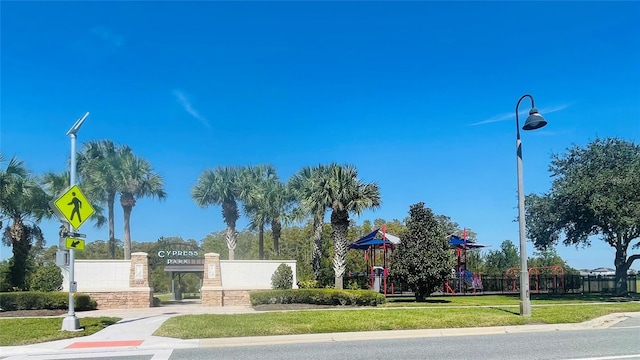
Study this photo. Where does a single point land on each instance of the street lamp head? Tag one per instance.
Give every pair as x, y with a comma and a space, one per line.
74, 129
534, 121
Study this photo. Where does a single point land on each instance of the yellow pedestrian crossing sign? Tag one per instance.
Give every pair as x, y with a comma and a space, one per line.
73, 206
73, 243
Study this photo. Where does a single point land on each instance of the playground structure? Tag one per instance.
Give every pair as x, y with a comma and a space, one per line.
371, 244
463, 279
377, 243
557, 279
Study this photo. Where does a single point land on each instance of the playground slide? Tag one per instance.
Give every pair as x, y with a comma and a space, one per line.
472, 280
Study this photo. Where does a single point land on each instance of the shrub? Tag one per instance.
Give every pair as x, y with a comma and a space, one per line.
46, 278
318, 297
353, 285
282, 278
4, 277
35, 300
308, 284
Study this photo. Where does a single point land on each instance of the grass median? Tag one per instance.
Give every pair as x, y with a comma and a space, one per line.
23, 331
371, 319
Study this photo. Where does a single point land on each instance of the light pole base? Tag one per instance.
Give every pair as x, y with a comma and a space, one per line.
525, 307
71, 323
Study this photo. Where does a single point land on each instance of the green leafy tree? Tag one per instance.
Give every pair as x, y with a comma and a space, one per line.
46, 278
422, 260
394, 227
282, 278
295, 244
500, 260
595, 192
136, 179
48, 254
23, 203
245, 248
548, 258
101, 249
346, 194
5, 285
475, 261
220, 187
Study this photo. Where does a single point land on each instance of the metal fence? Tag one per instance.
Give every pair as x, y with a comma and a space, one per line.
538, 284
558, 284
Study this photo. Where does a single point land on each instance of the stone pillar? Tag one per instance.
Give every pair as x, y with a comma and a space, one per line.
139, 273
140, 293
211, 292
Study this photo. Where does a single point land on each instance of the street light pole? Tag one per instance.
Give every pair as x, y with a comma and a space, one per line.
71, 322
534, 121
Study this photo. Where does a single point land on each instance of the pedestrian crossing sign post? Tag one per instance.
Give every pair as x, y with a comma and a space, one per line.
73, 243
73, 207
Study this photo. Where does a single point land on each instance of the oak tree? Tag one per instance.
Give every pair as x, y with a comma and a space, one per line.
595, 192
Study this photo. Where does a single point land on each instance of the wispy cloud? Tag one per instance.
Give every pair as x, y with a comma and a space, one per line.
107, 35
523, 113
186, 105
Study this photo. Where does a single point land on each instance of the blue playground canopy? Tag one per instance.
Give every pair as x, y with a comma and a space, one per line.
370, 240
456, 241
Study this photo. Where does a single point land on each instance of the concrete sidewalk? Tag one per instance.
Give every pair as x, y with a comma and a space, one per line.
135, 332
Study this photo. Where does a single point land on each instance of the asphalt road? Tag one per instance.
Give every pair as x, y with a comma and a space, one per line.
614, 343
621, 341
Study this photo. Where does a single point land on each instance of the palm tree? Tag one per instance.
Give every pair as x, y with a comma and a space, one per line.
136, 179
265, 201
23, 201
309, 187
220, 187
253, 187
99, 165
346, 194
280, 201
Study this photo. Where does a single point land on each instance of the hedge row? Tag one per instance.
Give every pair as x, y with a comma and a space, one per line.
318, 297
36, 300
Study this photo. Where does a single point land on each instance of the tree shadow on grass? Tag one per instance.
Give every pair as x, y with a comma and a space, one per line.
505, 310
426, 301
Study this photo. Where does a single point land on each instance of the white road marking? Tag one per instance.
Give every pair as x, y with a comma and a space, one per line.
162, 355
635, 356
625, 327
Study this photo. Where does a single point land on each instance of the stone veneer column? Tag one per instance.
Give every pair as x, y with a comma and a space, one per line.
140, 293
139, 273
211, 292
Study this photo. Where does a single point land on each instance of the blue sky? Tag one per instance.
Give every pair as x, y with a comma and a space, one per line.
419, 96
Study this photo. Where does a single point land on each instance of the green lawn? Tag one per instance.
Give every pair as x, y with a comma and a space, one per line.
386, 318
22, 331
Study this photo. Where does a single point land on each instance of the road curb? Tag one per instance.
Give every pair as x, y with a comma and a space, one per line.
599, 323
